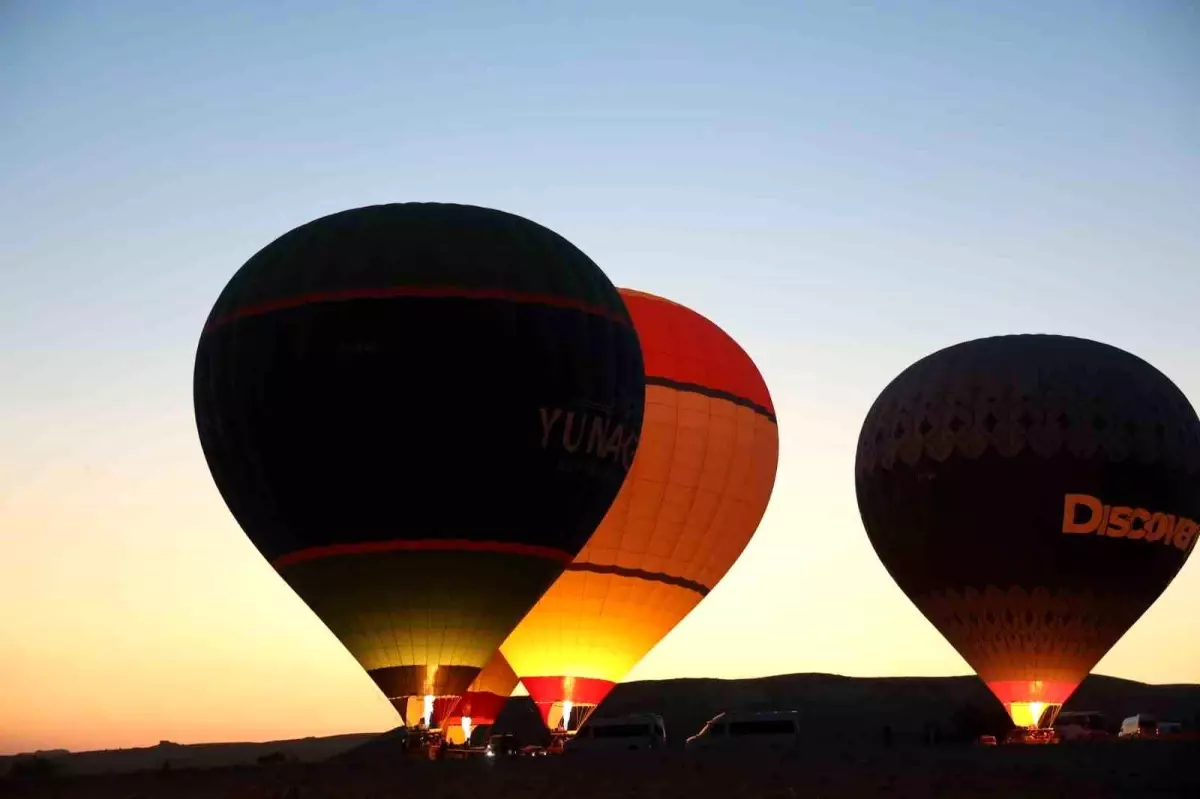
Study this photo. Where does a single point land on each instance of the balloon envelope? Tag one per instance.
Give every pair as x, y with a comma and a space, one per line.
1033, 496
380, 395
482, 702
698, 488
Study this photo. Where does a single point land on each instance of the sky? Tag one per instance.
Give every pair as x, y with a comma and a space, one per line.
844, 188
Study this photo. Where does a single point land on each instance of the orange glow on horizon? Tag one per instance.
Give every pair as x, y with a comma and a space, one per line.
133, 605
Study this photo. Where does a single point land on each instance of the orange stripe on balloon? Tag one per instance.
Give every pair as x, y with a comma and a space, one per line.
422, 545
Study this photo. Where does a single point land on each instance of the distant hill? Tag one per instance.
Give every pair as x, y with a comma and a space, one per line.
837, 711
178, 756
856, 709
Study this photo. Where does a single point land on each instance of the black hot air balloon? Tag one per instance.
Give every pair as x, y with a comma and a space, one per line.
419, 413
1033, 495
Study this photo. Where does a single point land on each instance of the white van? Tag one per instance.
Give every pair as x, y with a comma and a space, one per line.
637, 732
1139, 726
774, 729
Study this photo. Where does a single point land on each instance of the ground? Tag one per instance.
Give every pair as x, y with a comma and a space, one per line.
1113, 769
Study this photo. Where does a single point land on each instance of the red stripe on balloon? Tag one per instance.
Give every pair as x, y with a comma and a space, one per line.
577, 690
481, 707
1050, 692
423, 545
426, 292
684, 349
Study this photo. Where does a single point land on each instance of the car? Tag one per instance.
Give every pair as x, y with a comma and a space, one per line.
503, 745
987, 740
1169, 728
1081, 725
773, 729
637, 732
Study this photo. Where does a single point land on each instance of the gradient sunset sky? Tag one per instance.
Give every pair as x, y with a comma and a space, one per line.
843, 187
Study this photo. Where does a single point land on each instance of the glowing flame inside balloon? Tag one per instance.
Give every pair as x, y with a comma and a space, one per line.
1032, 715
427, 714
568, 705
466, 727
1027, 714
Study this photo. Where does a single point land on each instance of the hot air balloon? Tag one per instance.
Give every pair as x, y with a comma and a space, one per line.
482, 702
418, 413
1033, 495
696, 492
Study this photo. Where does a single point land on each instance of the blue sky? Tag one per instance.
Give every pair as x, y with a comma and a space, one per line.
843, 187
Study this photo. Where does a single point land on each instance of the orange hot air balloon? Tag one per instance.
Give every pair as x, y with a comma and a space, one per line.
482, 702
695, 494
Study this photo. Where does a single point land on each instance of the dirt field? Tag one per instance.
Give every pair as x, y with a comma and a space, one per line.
1118, 769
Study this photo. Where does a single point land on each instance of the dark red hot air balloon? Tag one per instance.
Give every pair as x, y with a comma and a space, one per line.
374, 394
1033, 495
